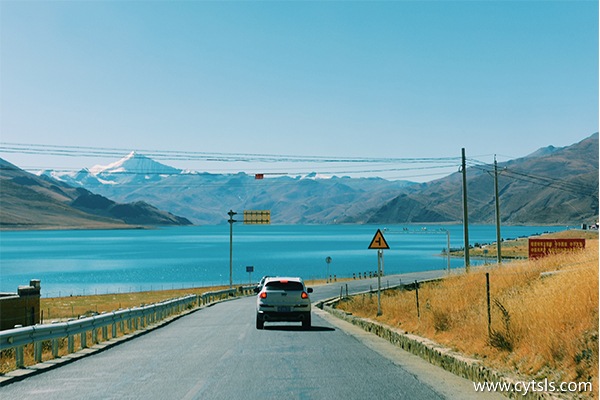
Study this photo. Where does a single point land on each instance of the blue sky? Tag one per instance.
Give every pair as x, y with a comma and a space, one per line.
394, 79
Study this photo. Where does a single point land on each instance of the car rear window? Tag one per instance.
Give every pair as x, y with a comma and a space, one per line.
284, 285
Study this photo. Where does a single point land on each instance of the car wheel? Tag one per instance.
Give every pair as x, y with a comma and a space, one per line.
306, 322
260, 324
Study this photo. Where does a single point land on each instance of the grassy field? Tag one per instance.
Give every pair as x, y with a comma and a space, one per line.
60, 308
543, 326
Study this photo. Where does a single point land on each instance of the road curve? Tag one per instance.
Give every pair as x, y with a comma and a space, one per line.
216, 353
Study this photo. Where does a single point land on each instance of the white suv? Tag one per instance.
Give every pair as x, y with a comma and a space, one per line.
283, 299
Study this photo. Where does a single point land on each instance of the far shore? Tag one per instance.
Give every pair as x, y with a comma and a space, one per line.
518, 248
101, 227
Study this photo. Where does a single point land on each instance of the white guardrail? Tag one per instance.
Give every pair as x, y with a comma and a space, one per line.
135, 318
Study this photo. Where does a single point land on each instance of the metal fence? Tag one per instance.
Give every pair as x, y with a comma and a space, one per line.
133, 318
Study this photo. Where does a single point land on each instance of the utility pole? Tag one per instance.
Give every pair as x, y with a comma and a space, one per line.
465, 210
498, 237
231, 221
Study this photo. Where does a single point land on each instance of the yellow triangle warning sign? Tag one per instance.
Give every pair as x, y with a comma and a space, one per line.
378, 242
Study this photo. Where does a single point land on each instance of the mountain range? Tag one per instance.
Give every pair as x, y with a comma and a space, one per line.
206, 198
554, 185
39, 202
550, 186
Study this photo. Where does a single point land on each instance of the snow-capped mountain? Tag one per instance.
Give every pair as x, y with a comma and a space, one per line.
134, 164
205, 198
133, 168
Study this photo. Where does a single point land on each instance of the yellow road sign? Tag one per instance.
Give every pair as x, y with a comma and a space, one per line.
257, 217
378, 242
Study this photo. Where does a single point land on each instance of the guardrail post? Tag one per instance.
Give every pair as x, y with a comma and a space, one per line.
55, 348
83, 340
94, 335
37, 351
70, 344
19, 358
105, 333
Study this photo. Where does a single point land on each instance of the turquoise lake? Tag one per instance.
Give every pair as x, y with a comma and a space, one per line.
119, 261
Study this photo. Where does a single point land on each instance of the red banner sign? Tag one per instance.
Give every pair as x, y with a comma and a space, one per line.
542, 247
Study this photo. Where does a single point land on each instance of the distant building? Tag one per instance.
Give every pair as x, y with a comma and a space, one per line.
21, 308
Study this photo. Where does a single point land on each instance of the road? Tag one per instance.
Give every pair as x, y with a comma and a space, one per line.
216, 353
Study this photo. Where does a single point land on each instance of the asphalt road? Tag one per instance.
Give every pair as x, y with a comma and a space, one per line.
217, 353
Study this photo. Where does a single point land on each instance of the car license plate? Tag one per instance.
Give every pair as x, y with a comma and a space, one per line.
284, 309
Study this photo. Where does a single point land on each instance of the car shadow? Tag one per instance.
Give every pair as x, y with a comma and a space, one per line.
297, 328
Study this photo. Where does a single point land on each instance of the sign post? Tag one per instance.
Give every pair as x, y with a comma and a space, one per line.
255, 217
328, 261
378, 243
231, 221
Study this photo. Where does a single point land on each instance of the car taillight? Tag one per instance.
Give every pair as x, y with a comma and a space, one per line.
263, 295
304, 295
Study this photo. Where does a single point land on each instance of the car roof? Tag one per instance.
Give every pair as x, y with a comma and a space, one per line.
284, 278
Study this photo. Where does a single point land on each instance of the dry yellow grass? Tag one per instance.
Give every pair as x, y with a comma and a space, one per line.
59, 308
542, 327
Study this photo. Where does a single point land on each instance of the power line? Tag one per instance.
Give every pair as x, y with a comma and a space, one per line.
335, 165
80, 151
551, 182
